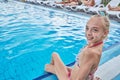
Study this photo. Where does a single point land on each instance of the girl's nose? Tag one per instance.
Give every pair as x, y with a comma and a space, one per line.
89, 33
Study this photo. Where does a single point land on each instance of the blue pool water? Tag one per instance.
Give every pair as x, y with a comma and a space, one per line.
29, 34
117, 77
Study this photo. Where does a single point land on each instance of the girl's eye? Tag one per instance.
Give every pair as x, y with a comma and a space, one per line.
95, 30
86, 28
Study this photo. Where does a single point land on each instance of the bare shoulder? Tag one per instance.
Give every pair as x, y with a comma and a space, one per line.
91, 54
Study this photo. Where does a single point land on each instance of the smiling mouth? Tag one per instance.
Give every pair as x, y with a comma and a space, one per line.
90, 38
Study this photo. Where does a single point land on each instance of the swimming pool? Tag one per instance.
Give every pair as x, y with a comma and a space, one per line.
29, 34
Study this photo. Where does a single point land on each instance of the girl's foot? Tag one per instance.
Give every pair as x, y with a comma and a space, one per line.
109, 7
49, 68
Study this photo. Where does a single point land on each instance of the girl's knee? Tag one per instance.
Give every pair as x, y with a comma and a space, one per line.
55, 54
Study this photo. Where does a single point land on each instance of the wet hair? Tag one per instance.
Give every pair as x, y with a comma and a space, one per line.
105, 21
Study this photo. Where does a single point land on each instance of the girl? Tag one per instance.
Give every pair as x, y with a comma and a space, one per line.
114, 8
97, 29
68, 2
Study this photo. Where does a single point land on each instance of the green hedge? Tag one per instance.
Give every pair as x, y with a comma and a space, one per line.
105, 2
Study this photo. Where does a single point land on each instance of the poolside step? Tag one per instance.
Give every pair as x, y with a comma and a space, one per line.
110, 69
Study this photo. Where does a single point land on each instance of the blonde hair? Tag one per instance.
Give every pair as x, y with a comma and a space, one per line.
105, 22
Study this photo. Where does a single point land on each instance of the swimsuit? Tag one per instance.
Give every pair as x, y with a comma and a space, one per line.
69, 74
90, 76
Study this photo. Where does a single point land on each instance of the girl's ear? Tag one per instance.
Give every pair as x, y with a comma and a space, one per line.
105, 34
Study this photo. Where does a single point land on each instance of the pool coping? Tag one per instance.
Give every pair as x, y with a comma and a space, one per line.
111, 72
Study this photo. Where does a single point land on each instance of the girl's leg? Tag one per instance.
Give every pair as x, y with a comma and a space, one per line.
50, 68
109, 7
58, 67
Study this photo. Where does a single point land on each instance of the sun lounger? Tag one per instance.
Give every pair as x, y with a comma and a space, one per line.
104, 8
116, 13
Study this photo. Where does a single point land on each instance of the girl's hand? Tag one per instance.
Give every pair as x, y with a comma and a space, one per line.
69, 69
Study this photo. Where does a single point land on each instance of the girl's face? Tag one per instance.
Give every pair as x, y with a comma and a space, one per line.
95, 31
